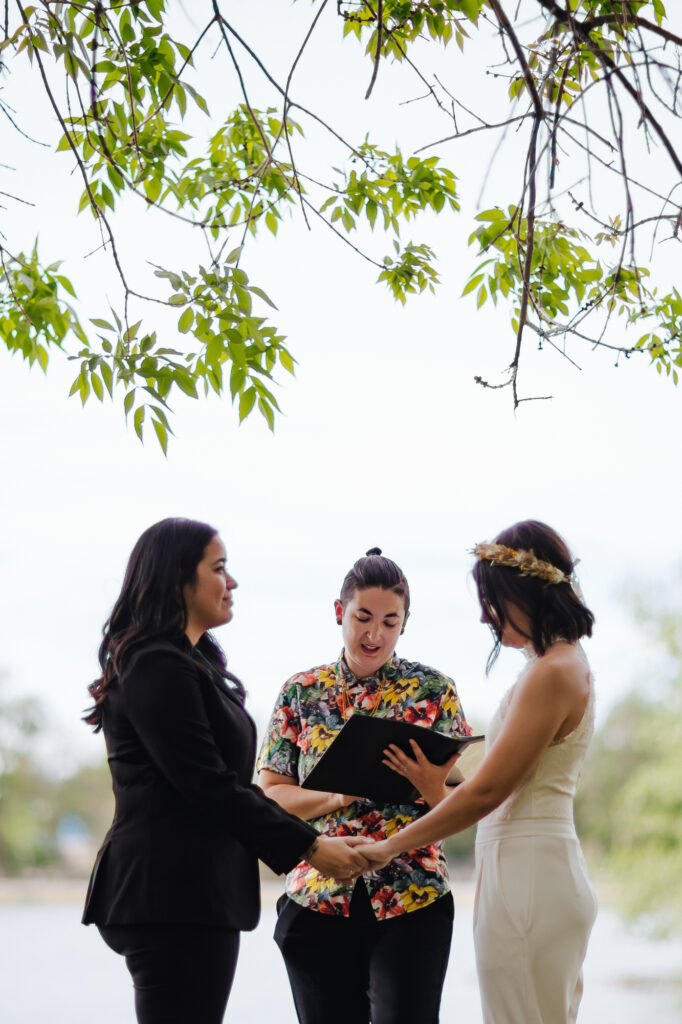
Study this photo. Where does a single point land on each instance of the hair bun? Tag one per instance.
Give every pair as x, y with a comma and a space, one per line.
373, 551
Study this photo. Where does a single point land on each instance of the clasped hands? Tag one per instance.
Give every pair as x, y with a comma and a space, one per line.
345, 858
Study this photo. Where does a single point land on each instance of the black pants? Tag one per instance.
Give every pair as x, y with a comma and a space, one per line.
182, 973
352, 970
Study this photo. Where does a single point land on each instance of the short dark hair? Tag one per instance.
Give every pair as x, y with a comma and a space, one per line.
554, 610
151, 605
375, 570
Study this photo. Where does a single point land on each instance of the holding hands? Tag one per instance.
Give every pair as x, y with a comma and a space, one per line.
340, 857
345, 858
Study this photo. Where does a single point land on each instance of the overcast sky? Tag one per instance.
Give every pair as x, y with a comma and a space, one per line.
385, 440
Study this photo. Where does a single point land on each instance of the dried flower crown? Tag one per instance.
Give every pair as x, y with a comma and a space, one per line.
524, 562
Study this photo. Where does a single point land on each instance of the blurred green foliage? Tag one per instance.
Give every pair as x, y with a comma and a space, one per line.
33, 802
629, 807
25, 806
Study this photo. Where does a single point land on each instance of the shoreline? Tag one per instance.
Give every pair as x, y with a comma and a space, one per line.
72, 891
55, 890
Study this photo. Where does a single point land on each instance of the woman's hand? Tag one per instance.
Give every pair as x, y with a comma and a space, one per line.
339, 857
427, 777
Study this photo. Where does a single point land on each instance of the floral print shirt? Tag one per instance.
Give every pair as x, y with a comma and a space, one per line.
307, 716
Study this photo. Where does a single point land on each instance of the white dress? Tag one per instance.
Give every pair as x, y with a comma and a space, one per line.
534, 907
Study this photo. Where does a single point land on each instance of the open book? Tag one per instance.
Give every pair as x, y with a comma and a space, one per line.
352, 762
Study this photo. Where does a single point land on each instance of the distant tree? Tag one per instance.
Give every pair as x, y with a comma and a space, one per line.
33, 802
617, 750
26, 817
646, 854
630, 805
592, 86
87, 795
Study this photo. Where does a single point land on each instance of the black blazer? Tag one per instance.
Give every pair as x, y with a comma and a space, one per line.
189, 825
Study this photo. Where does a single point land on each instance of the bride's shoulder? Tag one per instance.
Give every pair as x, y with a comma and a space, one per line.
563, 667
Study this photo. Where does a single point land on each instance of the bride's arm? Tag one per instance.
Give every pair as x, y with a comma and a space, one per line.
541, 703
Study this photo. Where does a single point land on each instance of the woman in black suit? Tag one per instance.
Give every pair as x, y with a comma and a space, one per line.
176, 879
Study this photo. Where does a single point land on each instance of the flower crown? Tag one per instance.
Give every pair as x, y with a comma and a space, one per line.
524, 562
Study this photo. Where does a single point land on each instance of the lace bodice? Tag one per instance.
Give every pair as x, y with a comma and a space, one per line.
549, 790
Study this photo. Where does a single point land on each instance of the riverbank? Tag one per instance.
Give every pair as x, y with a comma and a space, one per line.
59, 890
55, 891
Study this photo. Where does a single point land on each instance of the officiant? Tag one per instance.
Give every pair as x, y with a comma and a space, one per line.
375, 948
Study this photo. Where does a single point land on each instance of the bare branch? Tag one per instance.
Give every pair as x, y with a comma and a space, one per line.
377, 56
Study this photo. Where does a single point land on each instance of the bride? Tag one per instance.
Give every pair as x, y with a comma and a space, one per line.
534, 906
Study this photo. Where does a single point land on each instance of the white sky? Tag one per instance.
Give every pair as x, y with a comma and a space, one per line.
385, 439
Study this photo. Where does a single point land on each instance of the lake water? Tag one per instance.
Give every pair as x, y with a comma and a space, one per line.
54, 970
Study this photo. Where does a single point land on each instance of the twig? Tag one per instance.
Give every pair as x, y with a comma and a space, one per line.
377, 55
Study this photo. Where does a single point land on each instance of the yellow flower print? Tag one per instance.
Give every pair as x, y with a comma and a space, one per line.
326, 678
393, 825
450, 704
398, 690
321, 737
418, 896
315, 882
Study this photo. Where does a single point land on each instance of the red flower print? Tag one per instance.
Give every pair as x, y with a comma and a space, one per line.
373, 824
386, 902
426, 859
306, 679
424, 712
297, 878
284, 721
327, 906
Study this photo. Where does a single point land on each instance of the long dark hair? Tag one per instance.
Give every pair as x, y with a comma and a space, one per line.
554, 610
375, 570
151, 605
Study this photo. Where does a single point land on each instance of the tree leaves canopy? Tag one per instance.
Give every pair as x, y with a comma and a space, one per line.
595, 83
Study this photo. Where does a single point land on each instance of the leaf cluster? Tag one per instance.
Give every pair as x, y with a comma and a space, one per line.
34, 314
217, 313
126, 129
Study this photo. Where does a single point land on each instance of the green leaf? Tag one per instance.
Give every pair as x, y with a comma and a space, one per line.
128, 402
261, 295
162, 435
138, 421
66, 284
107, 377
472, 283
152, 188
246, 403
286, 360
266, 411
186, 320
186, 384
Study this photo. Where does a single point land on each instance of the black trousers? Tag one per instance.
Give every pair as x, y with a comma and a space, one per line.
182, 974
352, 970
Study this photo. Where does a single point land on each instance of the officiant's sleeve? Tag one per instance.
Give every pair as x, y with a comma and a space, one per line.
451, 720
280, 748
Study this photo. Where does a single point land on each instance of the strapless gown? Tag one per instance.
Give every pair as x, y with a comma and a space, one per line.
534, 906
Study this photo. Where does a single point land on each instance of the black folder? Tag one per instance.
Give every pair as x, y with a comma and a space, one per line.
352, 762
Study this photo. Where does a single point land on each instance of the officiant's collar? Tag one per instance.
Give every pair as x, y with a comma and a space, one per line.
345, 675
